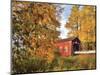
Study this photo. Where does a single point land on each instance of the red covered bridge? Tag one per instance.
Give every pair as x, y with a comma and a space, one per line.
67, 46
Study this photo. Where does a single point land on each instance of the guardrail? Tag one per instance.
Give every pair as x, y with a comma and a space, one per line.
85, 52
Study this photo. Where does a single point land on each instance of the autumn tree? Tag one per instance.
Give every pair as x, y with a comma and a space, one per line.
73, 21
88, 26
81, 23
88, 23
33, 31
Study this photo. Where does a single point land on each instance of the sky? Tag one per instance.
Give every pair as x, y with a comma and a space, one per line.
64, 18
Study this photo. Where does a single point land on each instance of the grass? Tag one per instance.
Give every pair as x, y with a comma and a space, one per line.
76, 62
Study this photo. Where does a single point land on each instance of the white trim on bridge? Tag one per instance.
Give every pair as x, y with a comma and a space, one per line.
85, 52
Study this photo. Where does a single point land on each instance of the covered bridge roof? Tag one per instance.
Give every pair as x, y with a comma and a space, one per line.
68, 39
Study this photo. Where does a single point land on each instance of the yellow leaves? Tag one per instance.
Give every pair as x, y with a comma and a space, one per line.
84, 20
43, 54
43, 51
83, 36
38, 23
88, 22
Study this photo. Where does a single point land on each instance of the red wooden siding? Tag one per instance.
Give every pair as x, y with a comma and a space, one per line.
65, 48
